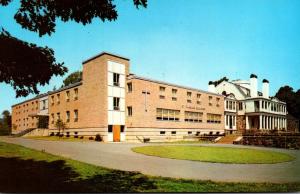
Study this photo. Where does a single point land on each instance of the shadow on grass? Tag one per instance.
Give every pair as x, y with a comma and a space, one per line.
19, 175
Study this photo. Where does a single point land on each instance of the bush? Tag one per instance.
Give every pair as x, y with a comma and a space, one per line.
81, 137
52, 134
91, 138
75, 134
98, 137
61, 135
68, 134
57, 134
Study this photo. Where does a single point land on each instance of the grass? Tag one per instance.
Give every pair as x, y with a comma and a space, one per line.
183, 142
215, 154
56, 138
27, 170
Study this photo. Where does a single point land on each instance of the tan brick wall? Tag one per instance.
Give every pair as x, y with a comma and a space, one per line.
21, 118
141, 118
64, 106
92, 96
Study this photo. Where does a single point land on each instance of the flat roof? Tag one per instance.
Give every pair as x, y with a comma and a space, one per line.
104, 53
133, 76
34, 98
49, 93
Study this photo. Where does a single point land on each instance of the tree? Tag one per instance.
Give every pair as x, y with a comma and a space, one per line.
291, 98
60, 125
5, 122
21, 62
73, 78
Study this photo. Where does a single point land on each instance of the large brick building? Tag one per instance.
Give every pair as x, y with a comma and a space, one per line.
123, 107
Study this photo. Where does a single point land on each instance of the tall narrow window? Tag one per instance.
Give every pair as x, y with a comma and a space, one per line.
129, 111
52, 100
52, 118
116, 78
218, 100
116, 103
210, 100
75, 115
44, 104
189, 94
67, 96
58, 115
129, 87
198, 96
58, 99
68, 116
75, 93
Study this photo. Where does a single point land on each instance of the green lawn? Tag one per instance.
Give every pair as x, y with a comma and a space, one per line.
27, 170
215, 154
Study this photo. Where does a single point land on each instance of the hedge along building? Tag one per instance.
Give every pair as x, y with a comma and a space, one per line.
121, 106
247, 108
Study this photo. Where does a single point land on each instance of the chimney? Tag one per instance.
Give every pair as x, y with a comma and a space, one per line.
253, 85
211, 87
265, 88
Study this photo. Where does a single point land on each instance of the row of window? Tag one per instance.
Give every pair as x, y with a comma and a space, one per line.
68, 116
34, 106
189, 133
174, 115
230, 120
274, 107
67, 96
230, 105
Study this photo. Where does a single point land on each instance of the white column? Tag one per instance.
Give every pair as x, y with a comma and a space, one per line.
273, 122
285, 124
247, 122
260, 121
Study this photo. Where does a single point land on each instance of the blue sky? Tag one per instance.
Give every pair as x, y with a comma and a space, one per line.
187, 42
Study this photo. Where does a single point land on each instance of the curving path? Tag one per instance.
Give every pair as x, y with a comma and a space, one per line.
120, 156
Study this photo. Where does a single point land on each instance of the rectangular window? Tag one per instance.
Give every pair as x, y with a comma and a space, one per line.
109, 129
67, 96
189, 94
76, 94
68, 116
116, 78
44, 104
52, 118
162, 89
213, 118
58, 116
75, 115
122, 128
210, 100
58, 99
218, 101
230, 105
116, 103
129, 87
189, 132
162, 97
240, 106
174, 91
129, 111
174, 99
198, 102
52, 100
162, 132
189, 101
173, 132
198, 96
167, 114
193, 116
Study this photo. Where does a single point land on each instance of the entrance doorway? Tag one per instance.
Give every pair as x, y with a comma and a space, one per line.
116, 133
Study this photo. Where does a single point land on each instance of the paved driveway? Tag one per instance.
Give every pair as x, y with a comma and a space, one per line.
120, 156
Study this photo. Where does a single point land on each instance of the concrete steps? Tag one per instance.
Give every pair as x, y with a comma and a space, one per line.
228, 139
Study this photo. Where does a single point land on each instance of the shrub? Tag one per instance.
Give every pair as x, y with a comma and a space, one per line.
81, 137
68, 134
57, 134
98, 137
91, 138
76, 134
52, 134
